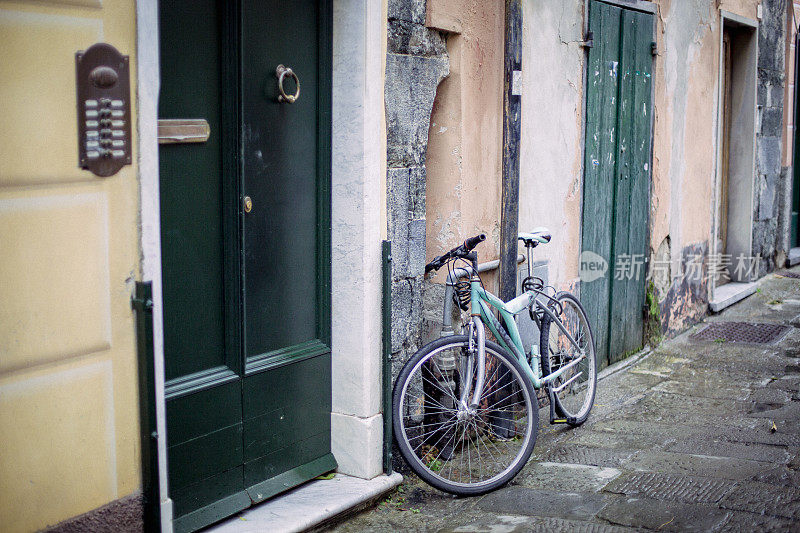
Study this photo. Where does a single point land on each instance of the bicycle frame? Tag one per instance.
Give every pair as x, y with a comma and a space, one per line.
482, 301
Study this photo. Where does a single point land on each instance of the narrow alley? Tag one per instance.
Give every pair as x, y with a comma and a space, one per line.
700, 434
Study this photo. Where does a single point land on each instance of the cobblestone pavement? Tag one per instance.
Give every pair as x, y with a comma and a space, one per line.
695, 436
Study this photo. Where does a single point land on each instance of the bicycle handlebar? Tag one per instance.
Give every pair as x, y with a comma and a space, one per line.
459, 251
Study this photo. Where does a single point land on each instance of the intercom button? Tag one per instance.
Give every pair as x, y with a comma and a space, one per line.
91, 124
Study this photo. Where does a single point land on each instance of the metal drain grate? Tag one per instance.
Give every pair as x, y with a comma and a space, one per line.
740, 332
787, 274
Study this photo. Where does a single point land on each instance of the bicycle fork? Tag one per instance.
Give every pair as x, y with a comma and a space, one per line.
471, 399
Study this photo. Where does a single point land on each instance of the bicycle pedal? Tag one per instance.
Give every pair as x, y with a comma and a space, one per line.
569, 420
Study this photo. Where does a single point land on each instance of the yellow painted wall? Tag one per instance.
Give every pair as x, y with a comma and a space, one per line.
68, 258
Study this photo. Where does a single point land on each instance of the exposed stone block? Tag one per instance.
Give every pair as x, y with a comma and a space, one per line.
414, 39
766, 196
772, 121
410, 10
411, 83
768, 156
416, 248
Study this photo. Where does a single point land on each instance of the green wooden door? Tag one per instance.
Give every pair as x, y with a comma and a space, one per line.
617, 174
246, 295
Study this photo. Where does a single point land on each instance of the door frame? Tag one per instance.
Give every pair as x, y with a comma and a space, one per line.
358, 215
734, 20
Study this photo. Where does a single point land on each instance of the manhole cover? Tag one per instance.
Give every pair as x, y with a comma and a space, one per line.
740, 332
787, 274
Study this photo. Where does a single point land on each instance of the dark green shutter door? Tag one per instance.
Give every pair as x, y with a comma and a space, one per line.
287, 387
617, 174
246, 296
202, 359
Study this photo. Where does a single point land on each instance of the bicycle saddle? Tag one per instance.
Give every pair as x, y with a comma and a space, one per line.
540, 235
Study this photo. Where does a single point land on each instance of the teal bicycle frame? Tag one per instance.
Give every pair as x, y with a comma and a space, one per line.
481, 303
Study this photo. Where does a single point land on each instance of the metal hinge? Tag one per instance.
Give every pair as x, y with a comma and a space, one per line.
654, 48
142, 304
588, 42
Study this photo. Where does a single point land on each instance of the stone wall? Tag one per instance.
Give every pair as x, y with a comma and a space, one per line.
416, 62
770, 176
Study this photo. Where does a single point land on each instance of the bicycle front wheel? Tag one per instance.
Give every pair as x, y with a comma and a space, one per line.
574, 390
455, 448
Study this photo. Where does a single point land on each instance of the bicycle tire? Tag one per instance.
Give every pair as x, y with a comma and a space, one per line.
419, 438
575, 401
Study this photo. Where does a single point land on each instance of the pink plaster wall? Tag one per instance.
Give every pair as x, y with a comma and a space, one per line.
465, 136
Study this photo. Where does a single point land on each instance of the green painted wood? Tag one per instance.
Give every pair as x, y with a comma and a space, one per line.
209, 500
247, 296
285, 405
205, 456
202, 357
291, 478
142, 303
287, 388
617, 176
203, 411
280, 175
290, 457
600, 164
191, 191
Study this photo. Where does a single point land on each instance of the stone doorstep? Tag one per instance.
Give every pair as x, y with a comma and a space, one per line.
730, 293
794, 257
309, 505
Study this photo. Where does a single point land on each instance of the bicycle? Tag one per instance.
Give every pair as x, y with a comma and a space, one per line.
465, 411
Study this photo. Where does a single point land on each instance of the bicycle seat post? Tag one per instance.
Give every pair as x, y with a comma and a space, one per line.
529, 258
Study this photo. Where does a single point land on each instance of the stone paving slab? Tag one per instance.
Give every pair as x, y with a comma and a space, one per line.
739, 522
697, 465
764, 499
585, 455
663, 516
753, 452
570, 505
527, 524
566, 477
672, 487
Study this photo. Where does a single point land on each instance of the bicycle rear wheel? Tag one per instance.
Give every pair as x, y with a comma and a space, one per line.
574, 390
451, 447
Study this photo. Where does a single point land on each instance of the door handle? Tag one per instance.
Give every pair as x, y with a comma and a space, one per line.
282, 72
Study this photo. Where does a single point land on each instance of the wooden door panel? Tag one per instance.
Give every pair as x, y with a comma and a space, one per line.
246, 294
632, 184
617, 170
600, 155
280, 175
287, 390
286, 405
202, 359
191, 193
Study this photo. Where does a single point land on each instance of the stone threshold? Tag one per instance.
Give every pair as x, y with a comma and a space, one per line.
794, 257
309, 505
730, 293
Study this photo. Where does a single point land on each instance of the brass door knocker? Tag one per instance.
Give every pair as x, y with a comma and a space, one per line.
282, 72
